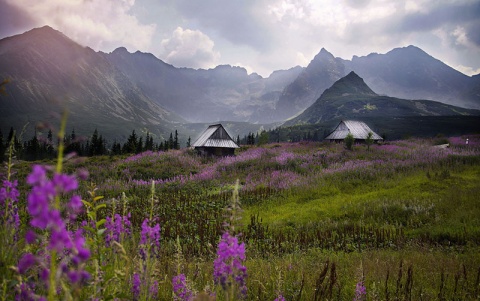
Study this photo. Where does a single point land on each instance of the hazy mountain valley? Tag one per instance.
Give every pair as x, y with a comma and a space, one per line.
120, 91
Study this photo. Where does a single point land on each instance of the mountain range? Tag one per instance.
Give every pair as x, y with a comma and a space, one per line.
120, 91
351, 98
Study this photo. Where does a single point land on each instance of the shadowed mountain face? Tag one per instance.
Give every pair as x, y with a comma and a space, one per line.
320, 74
50, 73
351, 98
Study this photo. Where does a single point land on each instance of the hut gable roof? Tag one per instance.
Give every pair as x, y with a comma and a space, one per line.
215, 136
358, 129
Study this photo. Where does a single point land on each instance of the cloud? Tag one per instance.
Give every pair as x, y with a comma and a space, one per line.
467, 70
13, 20
189, 48
239, 22
437, 16
99, 24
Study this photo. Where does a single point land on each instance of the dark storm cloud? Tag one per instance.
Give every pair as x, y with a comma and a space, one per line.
438, 16
13, 20
235, 21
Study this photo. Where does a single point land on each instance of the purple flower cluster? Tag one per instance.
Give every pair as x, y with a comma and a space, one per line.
360, 292
136, 286
115, 227
45, 215
150, 240
8, 204
279, 298
138, 282
229, 263
181, 291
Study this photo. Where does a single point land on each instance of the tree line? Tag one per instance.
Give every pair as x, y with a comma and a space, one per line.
39, 147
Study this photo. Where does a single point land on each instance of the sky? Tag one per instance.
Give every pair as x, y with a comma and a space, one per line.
259, 35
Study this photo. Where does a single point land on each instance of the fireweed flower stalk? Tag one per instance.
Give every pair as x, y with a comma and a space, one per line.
8, 204
181, 291
228, 269
68, 247
228, 266
116, 227
43, 205
360, 292
9, 219
143, 286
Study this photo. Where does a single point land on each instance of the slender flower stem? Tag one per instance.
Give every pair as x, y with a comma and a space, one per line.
53, 254
152, 201
61, 145
9, 174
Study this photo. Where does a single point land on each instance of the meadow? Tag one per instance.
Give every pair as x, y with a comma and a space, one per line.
284, 221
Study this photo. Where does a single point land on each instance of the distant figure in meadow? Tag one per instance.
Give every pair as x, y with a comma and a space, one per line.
466, 142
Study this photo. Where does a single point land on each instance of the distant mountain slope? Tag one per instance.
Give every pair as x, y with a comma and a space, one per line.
411, 73
221, 93
50, 73
406, 72
320, 74
351, 98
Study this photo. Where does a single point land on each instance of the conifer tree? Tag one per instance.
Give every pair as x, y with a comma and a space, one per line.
50, 149
170, 141
176, 145
130, 147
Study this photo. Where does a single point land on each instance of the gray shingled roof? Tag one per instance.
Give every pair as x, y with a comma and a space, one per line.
215, 136
358, 129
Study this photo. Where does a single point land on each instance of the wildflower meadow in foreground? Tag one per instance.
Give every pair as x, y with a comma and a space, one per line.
116, 253
61, 253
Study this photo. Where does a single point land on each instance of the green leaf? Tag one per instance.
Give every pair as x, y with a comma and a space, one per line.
87, 204
100, 206
100, 231
98, 198
92, 215
89, 229
101, 222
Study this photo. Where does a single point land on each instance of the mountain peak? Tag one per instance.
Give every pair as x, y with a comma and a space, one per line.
351, 84
323, 54
120, 50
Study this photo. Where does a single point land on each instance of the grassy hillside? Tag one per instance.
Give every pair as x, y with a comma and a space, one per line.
390, 128
400, 219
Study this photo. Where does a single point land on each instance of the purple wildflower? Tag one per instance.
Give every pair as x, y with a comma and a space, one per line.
116, 227
360, 292
153, 291
8, 203
279, 298
26, 262
136, 285
150, 240
70, 246
26, 292
181, 292
228, 264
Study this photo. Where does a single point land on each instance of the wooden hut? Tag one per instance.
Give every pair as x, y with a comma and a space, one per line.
215, 141
358, 129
